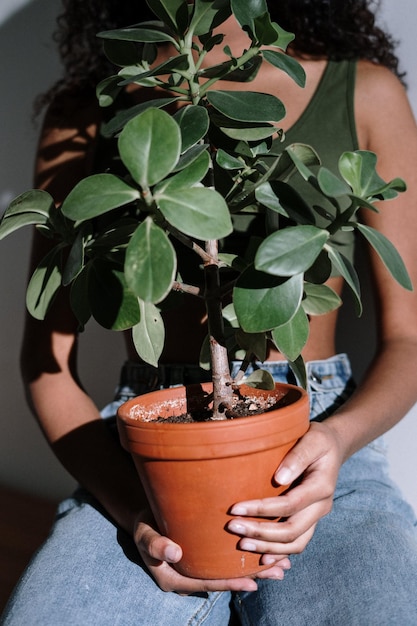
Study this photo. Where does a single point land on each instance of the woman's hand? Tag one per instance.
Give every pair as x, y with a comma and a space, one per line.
159, 553
314, 463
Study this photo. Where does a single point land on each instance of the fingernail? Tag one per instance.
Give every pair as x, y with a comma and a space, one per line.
172, 554
238, 509
235, 527
283, 476
248, 545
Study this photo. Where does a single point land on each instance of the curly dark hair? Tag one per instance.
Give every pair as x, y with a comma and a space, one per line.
338, 29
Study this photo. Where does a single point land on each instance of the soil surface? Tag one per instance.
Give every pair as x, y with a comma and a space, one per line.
244, 406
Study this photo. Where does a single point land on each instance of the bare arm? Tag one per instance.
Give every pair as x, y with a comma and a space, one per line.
387, 127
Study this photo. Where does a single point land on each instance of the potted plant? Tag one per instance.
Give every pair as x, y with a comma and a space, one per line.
193, 177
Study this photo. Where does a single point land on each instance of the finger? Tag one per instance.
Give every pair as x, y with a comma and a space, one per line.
294, 547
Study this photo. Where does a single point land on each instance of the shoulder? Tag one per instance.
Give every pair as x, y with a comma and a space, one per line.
380, 101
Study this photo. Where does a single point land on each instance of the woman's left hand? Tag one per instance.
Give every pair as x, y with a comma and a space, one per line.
314, 463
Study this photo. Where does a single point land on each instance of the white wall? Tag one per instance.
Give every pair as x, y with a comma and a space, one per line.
29, 66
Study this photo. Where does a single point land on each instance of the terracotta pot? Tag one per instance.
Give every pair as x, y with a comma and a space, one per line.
193, 473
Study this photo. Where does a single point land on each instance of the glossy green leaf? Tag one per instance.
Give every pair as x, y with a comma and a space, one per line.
31, 207
149, 334
245, 11
187, 177
79, 300
290, 251
151, 263
174, 13
260, 379
139, 34
388, 254
247, 106
207, 15
249, 133
228, 161
123, 116
44, 284
96, 195
75, 260
108, 90
121, 52
299, 369
263, 302
253, 343
320, 299
113, 304
287, 64
140, 146
170, 66
331, 185
194, 123
359, 170
344, 268
197, 212
290, 338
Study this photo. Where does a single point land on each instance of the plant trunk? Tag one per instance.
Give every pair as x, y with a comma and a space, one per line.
222, 382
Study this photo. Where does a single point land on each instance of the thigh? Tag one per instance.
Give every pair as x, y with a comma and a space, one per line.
89, 572
360, 568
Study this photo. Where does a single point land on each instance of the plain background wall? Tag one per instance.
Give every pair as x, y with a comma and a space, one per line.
29, 66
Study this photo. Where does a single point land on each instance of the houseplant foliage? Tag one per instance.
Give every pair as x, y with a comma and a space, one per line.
187, 179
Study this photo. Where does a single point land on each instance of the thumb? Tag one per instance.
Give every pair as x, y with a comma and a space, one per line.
294, 463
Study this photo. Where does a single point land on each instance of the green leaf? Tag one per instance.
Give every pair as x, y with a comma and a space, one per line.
260, 379
31, 207
299, 369
79, 297
75, 260
242, 132
207, 15
331, 185
96, 195
123, 116
290, 338
245, 11
388, 254
187, 177
140, 146
151, 263
113, 305
144, 34
194, 123
171, 66
228, 161
108, 90
291, 250
320, 299
345, 269
247, 106
174, 13
263, 302
197, 212
149, 334
359, 170
121, 53
253, 343
287, 64
44, 284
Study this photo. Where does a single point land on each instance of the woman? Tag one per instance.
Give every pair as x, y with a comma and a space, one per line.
350, 540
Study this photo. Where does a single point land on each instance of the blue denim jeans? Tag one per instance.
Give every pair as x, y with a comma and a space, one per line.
359, 569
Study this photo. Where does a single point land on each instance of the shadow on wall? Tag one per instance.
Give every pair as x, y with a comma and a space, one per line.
29, 66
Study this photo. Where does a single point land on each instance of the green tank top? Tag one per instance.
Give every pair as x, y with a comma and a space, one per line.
328, 125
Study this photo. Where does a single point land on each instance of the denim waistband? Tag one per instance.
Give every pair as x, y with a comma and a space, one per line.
137, 378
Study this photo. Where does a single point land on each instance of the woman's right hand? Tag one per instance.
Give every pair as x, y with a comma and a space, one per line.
160, 553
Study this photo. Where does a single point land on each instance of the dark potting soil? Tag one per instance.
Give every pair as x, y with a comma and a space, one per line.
243, 407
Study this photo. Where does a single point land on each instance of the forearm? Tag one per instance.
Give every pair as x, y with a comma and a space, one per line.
387, 393
83, 444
